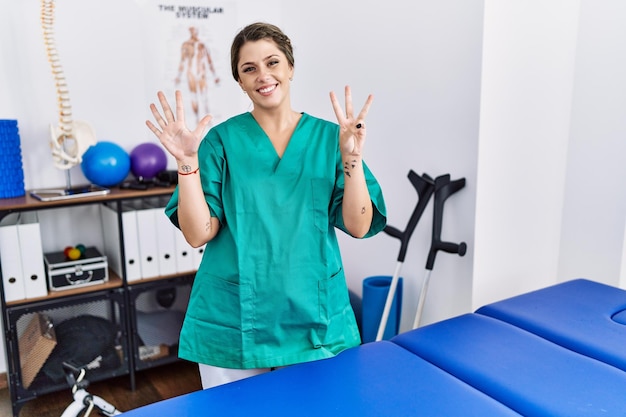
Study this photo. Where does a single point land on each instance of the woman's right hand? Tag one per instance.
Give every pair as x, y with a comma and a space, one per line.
172, 131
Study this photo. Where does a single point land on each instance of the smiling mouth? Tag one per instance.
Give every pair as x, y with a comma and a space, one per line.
267, 90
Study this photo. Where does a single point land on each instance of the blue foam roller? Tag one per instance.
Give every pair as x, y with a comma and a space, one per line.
12, 184
375, 290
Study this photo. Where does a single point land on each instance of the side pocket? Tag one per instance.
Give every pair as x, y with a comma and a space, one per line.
337, 320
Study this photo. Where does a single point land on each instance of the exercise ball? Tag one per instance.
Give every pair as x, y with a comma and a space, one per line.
105, 164
147, 160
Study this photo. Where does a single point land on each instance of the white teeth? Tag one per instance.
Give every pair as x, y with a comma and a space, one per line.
267, 90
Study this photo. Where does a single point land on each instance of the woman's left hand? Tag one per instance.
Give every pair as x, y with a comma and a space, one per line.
351, 129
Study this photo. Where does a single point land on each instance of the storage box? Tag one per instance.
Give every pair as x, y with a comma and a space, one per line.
64, 274
35, 345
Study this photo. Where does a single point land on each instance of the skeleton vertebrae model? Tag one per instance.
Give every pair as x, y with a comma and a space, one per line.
72, 137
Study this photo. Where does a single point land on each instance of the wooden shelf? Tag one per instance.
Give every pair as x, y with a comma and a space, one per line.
28, 202
161, 278
113, 282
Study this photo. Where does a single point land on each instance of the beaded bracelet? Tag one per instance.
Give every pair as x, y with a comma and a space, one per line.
190, 172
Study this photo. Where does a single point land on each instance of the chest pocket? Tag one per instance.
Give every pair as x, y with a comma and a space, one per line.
321, 192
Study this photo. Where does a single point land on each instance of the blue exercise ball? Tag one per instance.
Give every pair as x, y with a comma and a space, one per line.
105, 164
147, 160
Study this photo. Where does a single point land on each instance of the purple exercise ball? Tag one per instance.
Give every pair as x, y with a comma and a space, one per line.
147, 160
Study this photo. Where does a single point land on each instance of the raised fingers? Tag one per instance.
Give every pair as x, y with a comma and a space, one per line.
167, 110
349, 114
365, 109
337, 108
348, 93
180, 110
153, 128
157, 116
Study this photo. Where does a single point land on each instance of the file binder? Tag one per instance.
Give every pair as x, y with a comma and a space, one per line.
11, 261
166, 242
21, 257
31, 251
111, 233
184, 253
148, 246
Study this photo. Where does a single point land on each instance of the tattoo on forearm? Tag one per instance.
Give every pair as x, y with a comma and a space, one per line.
185, 168
362, 210
348, 166
208, 226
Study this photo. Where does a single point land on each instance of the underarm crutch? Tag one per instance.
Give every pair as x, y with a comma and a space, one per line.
425, 187
444, 188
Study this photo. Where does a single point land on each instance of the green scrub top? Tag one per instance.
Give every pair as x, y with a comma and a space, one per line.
270, 290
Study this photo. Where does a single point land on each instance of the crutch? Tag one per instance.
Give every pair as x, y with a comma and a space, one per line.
444, 188
425, 187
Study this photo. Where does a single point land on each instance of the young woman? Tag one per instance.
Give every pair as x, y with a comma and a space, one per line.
265, 190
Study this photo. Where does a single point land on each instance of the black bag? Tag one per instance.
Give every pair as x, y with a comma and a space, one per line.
80, 341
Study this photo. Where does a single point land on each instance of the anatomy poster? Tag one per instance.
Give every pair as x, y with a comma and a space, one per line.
187, 48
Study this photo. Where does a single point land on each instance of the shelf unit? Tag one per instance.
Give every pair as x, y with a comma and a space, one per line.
121, 304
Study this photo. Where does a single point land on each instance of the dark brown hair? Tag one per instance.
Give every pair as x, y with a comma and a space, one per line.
255, 32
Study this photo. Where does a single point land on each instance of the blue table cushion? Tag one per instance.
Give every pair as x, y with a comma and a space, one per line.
375, 379
529, 374
585, 316
620, 317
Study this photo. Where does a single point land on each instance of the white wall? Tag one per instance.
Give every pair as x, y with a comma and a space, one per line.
551, 202
528, 69
594, 209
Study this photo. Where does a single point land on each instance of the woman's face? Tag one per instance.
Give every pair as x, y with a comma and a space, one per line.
264, 73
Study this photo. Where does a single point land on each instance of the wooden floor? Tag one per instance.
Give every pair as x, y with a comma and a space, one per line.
152, 385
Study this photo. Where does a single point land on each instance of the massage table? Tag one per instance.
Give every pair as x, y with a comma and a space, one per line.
557, 351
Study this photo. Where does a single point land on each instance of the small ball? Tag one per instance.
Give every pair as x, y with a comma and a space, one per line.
81, 248
67, 250
73, 254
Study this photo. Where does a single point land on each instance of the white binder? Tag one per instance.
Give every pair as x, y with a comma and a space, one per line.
11, 261
148, 247
111, 234
184, 254
33, 266
21, 253
166, 242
